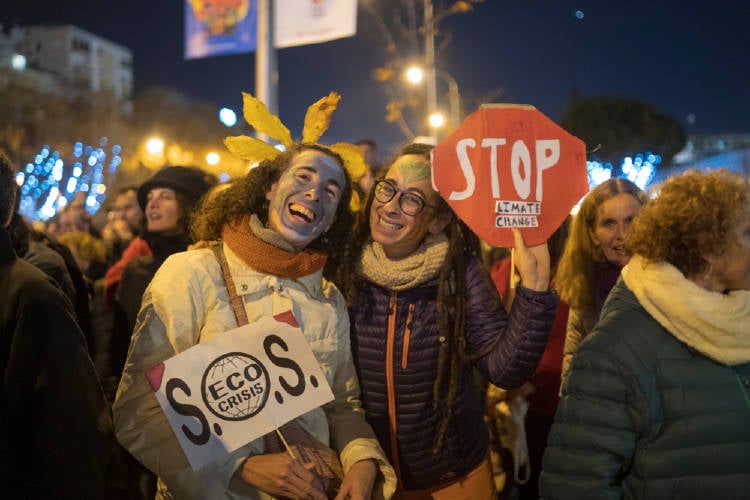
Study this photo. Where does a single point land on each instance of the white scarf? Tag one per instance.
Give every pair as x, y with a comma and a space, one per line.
402, 274
715, 324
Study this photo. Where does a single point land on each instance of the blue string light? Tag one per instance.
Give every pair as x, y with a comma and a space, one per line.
50, 181
639, 169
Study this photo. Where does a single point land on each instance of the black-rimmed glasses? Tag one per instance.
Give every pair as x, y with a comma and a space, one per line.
410, 203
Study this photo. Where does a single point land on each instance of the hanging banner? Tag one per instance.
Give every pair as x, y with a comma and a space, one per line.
220, 27
302, 22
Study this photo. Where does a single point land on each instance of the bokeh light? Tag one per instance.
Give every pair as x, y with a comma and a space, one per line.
53, 179
227, 117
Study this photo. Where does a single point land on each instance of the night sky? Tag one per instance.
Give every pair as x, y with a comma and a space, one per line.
686, 58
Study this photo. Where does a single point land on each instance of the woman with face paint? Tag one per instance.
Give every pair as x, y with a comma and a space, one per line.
279, 225
424, 314
593, 256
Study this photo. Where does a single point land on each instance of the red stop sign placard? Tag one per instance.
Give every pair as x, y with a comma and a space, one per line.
508, 165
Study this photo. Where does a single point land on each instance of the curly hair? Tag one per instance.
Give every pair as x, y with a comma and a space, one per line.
248, 196
463, 244
576, 272
692, 219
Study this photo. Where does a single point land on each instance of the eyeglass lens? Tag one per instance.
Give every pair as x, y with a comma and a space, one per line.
410, 203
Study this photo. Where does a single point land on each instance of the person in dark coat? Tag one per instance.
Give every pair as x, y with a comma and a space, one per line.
657, 401
56, 260
424, 314
56, 430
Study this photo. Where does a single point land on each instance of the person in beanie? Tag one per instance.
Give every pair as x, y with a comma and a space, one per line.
167, 200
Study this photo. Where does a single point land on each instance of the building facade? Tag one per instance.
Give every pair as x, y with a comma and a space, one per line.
67, 59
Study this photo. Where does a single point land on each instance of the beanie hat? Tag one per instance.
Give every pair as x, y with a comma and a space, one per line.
190, 182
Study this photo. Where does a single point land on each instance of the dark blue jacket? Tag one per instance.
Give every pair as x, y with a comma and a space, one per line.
396, 342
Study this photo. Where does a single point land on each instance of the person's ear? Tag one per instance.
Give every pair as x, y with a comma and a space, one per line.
272, 191
439, 222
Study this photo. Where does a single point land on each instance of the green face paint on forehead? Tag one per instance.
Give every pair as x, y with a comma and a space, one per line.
413, 168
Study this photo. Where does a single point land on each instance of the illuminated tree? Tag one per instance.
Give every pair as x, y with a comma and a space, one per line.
402, 38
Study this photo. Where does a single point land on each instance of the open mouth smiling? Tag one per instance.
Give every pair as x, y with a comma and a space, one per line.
302, 212
389, 225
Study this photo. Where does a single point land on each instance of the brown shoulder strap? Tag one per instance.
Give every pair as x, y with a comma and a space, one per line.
238, 305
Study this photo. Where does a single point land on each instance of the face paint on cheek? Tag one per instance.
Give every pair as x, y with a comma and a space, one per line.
286, 187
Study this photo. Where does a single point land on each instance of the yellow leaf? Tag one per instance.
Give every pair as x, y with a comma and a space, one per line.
393, 111
250, 148
382, 74
257, 115
197, 6
318, 117
354, 162
462, 6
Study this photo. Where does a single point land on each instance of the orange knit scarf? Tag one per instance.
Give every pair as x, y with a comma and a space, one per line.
267, 258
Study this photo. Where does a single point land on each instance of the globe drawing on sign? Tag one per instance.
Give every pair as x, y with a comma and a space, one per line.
235, 386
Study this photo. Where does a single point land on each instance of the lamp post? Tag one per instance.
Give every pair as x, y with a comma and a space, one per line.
453, 95
429, 58
415, 75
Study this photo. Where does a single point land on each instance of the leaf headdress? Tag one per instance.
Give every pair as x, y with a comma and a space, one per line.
317, 121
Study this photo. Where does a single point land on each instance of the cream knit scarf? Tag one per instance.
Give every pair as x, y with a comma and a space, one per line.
715, 324
402, 274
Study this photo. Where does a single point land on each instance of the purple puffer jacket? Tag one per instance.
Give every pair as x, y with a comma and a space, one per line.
395, 342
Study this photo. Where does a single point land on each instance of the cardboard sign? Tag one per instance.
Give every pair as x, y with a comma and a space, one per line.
223, 393
508, 165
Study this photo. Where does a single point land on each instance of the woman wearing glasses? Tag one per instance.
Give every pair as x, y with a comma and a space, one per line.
423, 315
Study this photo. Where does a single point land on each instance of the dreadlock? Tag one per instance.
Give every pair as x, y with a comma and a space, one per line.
451, 305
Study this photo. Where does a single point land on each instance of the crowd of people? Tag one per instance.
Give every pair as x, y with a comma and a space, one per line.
625, 339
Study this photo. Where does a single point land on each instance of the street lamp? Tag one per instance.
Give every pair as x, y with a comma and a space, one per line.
155, 146
415, 75
437, 120
212, 158
153, 154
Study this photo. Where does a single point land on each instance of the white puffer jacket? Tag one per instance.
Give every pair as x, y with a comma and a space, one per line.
187, 303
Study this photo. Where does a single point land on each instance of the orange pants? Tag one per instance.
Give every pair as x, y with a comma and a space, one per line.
476, 485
